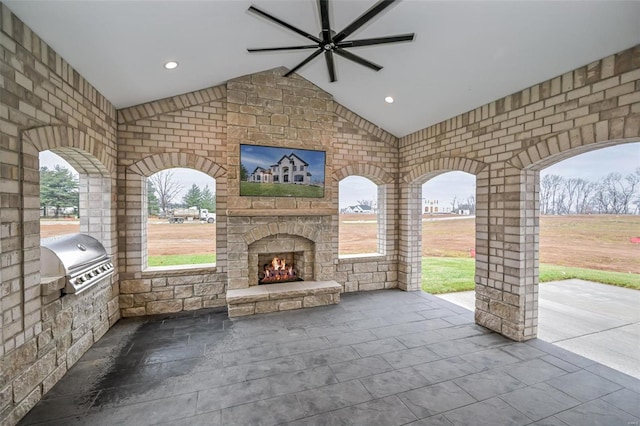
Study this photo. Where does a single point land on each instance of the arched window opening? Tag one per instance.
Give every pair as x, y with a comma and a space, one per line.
360, 217
59, 196
590, 217
181, 218
448, 207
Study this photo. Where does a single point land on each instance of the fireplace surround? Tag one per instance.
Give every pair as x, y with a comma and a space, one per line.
296, 250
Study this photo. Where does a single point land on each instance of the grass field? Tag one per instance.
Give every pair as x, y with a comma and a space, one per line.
181, 259
569, 245
451, 274
281, 190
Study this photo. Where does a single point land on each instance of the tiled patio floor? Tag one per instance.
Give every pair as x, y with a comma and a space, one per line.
379, 358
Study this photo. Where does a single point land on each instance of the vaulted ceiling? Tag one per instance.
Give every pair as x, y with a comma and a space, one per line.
466, 53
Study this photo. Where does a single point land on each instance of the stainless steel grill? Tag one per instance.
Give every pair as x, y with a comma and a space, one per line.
80, 258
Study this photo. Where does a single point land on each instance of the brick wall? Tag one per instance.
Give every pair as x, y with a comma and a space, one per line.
184, 131
505, 144
47, 105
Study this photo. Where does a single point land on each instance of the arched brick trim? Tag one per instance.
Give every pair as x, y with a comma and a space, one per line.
271, 228
75, 143
175, 103
376, 174
155, 163
365, 125
577, 141
420, 173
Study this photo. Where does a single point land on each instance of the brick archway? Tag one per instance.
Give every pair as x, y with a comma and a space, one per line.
376, 174
136, 202
428, 170
386, 192
84, 152
95, 168
410, 247
158, 162
578, 141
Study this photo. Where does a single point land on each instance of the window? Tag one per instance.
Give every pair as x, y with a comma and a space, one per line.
298, 178
359, 221
59, 196
448, 232
181, 218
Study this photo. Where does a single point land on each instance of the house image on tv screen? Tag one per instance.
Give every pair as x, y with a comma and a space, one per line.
289, 169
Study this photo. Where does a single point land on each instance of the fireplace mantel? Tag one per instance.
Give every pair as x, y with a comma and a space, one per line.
280, 212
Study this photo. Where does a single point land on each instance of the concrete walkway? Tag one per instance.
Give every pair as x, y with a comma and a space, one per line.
597, 321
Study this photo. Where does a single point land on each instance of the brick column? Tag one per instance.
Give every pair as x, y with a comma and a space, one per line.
410, 237
507, 281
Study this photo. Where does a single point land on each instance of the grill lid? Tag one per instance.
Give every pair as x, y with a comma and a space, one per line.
79, 257
70, 254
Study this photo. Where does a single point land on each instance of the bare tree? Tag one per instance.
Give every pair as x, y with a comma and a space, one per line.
453, 203
166, 186
584, 189
569, 194
615, 194
471, 202
550, 186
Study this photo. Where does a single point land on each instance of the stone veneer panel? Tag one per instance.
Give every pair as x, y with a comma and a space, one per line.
263, 232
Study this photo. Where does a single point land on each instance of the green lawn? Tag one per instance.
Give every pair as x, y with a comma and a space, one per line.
451, 274
181, 259
280, 190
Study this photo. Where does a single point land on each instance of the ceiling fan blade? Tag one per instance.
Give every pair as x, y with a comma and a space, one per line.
323, 6
284, 24
273, 49
305, 62
377, 40
357, 59
363, 19
330, 65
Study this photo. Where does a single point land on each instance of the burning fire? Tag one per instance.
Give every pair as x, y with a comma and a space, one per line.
278, 271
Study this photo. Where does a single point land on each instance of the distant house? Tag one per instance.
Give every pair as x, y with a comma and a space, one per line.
359, 208
289, 169
433, 206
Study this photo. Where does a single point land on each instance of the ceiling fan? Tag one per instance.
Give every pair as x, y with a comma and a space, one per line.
330, 42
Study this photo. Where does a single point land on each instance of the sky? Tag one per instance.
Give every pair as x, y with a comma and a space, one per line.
591, 166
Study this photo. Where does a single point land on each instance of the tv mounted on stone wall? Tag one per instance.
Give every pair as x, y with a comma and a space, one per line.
267, 171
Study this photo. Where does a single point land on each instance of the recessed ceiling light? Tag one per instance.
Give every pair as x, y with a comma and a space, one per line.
388, 100
171, 65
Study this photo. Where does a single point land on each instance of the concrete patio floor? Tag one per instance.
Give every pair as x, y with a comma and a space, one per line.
597, 321
379, 358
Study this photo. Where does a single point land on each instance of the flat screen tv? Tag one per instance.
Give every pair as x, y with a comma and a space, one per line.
267, 171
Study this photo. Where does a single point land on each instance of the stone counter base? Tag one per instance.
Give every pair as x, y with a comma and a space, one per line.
261, 299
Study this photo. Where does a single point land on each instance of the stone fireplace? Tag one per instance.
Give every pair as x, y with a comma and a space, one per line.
302, 240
